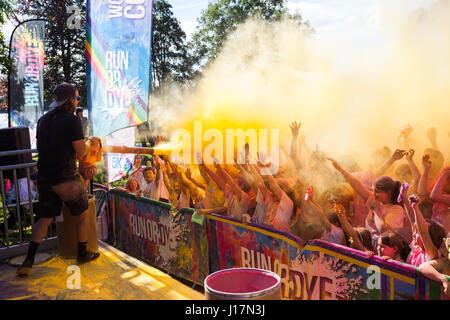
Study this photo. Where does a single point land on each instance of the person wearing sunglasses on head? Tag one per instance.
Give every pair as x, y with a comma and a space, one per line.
60, 142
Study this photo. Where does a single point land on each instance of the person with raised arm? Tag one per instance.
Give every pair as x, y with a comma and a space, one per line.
238, 201
281, 209
384, 212
441, 195
427, 236
397, 155
354, 237
332, 228
439, 269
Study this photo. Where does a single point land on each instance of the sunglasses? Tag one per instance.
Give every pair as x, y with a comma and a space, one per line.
77, 97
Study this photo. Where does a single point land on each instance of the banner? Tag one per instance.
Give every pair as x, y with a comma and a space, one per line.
235, 245
119, 165
191, 247
142, 229
325, 271
118, 48
26, 79
155, 233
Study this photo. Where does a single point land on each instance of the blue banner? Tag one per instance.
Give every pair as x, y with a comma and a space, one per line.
118, 52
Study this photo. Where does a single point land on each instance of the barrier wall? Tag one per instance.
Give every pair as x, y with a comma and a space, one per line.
191, 247
152, 232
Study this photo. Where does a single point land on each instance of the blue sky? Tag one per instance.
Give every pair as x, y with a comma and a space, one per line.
339, 24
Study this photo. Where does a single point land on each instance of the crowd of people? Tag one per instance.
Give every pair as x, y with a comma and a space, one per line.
394, 210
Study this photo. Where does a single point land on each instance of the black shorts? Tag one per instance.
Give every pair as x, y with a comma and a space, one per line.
51, 196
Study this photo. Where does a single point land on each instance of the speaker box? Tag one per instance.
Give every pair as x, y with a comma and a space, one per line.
15, 138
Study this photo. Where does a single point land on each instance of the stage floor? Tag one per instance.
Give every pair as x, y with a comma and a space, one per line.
113, 276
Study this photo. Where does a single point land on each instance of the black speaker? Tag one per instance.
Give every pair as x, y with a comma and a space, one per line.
15, 138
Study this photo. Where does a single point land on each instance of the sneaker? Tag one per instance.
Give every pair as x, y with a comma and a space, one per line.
89, 256
25, 268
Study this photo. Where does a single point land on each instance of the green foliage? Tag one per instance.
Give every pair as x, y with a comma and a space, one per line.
5, 13
223, 16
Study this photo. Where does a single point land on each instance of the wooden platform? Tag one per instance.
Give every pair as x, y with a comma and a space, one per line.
113, 276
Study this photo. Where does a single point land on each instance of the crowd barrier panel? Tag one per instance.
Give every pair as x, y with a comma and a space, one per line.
191, 247
155, 233
328, 271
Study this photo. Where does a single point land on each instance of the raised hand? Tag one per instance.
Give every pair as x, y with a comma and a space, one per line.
295, 128
410, 154
398, 154
335, 164
262, 159
406, 130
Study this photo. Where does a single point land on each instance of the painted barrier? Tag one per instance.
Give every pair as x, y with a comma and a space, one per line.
153, 232
233, 244
192, 247
327, 271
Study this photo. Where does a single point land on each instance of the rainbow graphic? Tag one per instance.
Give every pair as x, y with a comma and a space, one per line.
118, 54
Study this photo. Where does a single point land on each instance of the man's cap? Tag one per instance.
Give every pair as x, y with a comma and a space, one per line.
63, 92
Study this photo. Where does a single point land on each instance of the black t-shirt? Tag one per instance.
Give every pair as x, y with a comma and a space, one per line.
56, 130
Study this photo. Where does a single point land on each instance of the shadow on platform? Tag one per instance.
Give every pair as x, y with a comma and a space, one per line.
113, 276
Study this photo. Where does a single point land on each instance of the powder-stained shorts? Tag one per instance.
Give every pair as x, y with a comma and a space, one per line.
51, 196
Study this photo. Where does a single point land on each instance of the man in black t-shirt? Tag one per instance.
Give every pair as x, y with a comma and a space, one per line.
60, 141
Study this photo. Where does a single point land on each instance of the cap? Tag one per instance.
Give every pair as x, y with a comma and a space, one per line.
63, 92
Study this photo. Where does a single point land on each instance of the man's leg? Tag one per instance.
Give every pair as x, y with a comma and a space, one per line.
39, 231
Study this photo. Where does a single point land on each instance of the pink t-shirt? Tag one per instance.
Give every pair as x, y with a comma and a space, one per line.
279, 214
335, 235
418, 255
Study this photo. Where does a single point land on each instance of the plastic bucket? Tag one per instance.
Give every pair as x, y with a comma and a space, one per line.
243, 284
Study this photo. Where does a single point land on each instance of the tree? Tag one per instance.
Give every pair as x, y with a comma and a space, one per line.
64, 42
223, 16
5, 13
170, 59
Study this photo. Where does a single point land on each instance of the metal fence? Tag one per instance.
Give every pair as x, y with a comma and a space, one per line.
18, 215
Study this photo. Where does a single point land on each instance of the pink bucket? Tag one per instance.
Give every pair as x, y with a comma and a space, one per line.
243, 284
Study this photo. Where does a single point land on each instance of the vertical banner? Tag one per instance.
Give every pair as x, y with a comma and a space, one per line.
118, 52
119, 165
26, 79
